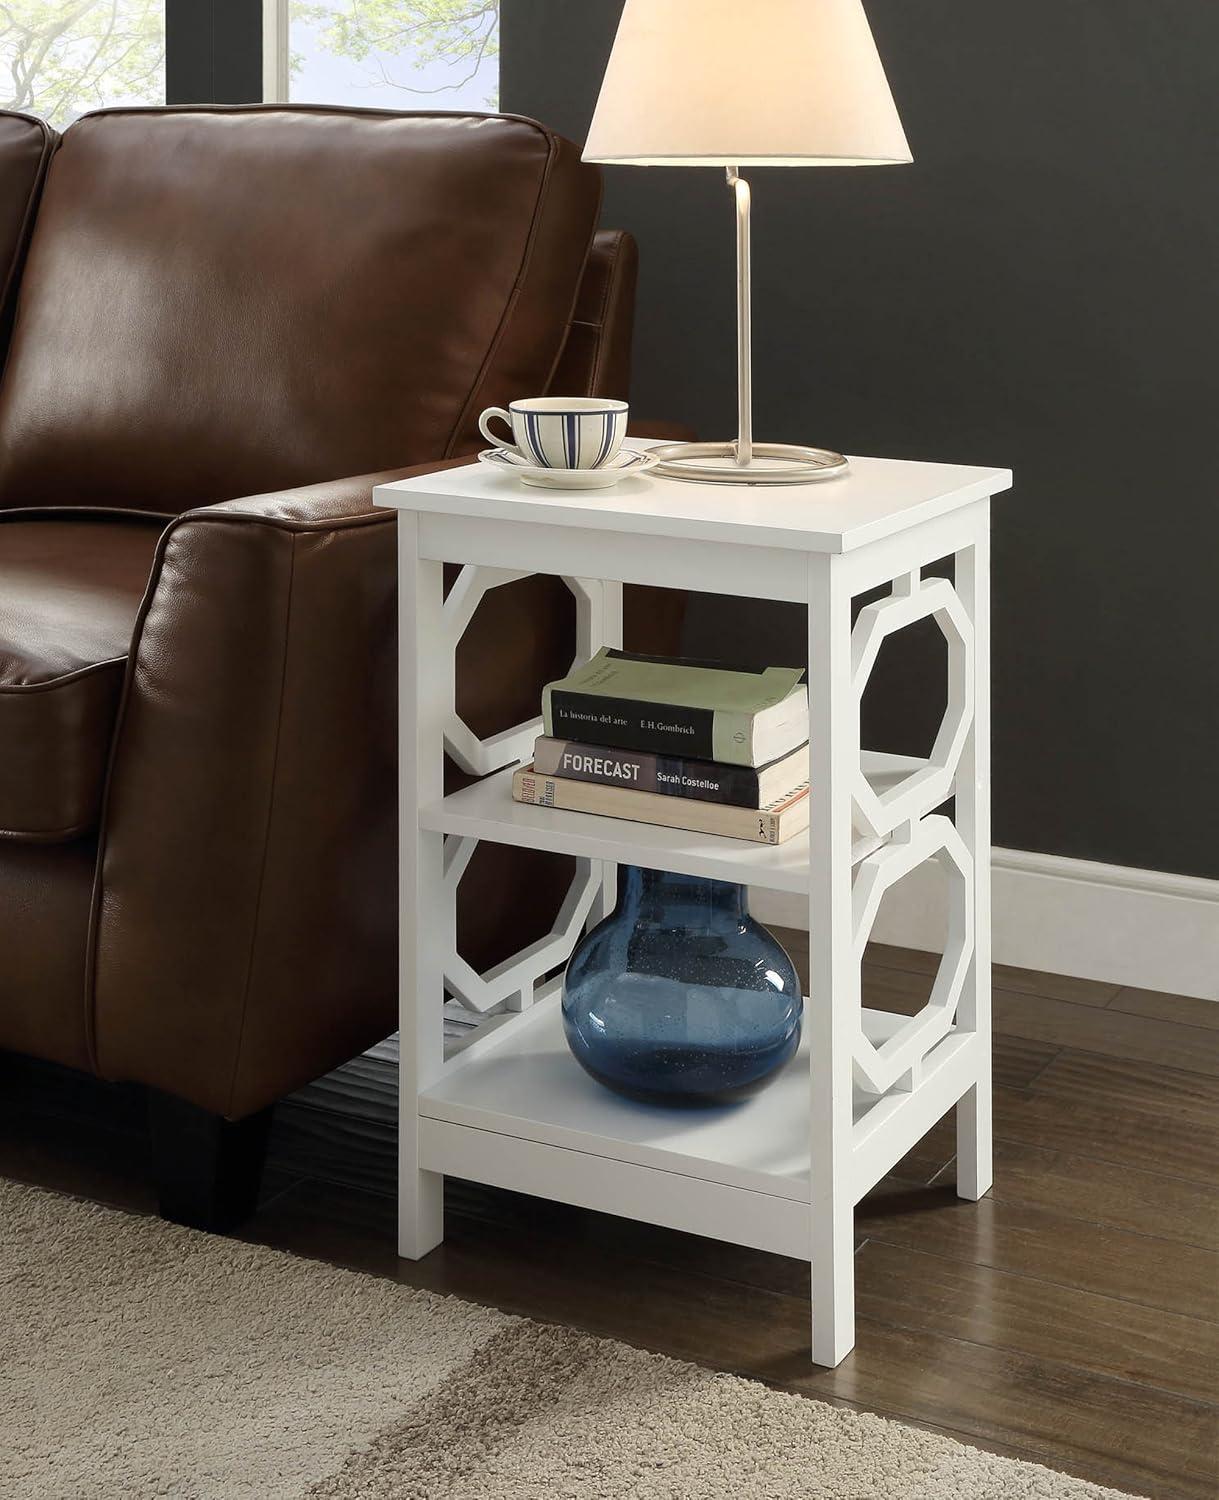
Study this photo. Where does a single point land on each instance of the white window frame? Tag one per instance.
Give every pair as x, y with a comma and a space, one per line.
275, 81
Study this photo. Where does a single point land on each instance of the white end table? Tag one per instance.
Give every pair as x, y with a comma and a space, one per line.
782, 1171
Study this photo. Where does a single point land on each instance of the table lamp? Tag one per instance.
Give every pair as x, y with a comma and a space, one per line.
715, 83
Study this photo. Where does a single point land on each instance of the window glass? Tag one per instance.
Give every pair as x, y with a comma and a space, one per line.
59, 58
395, 54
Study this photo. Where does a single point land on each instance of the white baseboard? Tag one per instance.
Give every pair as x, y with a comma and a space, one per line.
1143, 928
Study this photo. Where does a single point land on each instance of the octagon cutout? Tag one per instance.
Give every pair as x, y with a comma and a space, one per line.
510, 984
912, 599
891, 1056
480, 757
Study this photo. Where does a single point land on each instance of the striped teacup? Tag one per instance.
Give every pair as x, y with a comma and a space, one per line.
560, 432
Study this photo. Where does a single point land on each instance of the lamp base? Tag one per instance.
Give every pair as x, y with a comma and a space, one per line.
772, 463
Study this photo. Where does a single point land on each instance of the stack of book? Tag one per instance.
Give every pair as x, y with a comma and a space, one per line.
683, 744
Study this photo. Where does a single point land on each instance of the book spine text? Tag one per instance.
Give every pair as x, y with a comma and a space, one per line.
669, 775
628, 724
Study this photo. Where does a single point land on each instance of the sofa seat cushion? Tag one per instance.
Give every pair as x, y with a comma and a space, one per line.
70, 589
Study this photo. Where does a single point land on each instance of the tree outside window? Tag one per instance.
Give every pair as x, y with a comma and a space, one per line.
398, 54
59, 58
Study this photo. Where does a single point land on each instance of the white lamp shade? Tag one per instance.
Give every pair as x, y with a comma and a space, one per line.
764, 83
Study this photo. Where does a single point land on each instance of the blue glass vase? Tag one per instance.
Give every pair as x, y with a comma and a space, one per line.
679, 996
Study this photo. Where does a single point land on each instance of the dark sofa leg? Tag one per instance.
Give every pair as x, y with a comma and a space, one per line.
207, 1169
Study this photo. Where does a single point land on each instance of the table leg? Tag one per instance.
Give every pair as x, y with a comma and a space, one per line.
608, 633
422, 709
974, 1166
833, 1003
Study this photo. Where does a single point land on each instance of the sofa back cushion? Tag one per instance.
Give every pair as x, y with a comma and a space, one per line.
221, 302
596, 359
25, 148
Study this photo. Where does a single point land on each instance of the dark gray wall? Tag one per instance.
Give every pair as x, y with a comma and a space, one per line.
213, 51
1038, 291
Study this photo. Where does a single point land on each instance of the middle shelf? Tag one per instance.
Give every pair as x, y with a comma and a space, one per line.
486, 811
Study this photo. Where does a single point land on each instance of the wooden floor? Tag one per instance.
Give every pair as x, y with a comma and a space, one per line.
1072, 1317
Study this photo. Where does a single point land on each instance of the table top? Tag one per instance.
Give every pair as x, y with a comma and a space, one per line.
875, 498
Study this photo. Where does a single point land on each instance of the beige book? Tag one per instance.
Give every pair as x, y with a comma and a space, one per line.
773, 824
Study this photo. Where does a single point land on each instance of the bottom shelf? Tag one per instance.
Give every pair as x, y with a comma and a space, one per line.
514, 1109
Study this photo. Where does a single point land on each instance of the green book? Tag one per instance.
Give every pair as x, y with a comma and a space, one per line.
674, 707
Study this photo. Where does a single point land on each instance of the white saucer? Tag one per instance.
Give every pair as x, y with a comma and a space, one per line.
624, 463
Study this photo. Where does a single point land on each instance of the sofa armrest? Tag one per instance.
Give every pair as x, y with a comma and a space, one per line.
244, 935
335, 502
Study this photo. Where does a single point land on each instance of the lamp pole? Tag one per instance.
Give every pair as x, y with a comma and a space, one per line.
743, 460
744, 327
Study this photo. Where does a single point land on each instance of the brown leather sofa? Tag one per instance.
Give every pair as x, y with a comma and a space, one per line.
212, 318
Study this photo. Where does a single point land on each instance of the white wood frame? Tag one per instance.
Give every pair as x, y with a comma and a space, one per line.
784, 1171
276, 53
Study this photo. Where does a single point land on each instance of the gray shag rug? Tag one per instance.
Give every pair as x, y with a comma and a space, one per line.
140, 1359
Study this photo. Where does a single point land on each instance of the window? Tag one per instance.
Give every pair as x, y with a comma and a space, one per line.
390, 54
62, 58
59, 58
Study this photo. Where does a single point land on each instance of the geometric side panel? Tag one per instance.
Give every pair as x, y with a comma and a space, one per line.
475, 756
510, 985
878, 1068
915, 599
